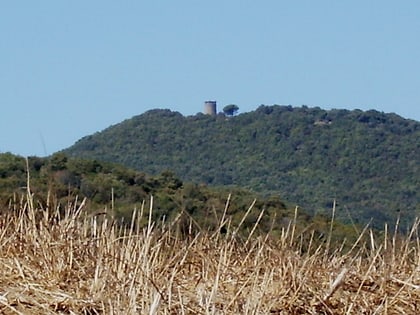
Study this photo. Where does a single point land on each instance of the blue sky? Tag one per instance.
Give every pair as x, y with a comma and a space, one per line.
72, 68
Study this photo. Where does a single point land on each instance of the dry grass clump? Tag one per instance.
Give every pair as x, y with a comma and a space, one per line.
74, 263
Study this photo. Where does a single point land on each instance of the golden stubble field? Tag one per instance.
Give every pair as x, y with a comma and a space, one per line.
73, 262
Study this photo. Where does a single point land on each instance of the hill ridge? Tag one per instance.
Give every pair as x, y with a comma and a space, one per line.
367, 160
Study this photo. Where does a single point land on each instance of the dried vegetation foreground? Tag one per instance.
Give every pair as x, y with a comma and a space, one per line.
75, 263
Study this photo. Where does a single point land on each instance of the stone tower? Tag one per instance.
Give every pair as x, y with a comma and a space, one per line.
210, 108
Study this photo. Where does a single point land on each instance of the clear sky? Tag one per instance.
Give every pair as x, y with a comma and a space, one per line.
72, 68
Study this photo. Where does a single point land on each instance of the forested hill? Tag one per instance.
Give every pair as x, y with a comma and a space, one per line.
368, 161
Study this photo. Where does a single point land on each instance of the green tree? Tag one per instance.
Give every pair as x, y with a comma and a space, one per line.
230, 110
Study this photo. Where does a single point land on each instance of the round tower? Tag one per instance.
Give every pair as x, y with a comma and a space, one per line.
210, 108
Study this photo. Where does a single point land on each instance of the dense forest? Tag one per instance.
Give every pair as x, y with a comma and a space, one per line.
59, 182
366, 160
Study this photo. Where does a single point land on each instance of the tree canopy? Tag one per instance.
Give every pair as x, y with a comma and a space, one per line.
230, 110
366, 160
57, 181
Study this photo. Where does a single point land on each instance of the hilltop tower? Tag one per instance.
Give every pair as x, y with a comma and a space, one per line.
210, 108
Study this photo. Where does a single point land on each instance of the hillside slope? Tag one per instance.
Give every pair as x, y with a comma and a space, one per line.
57, 182
367, 161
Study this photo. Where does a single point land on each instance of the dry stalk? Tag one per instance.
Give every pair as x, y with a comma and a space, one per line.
81, 263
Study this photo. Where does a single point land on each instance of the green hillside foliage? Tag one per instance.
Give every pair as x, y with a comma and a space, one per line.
58, 181
367, 160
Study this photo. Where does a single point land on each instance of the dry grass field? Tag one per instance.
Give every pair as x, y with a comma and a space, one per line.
70, 262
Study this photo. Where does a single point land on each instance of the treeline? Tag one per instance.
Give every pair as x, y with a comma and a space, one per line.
366, 160
58, 181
